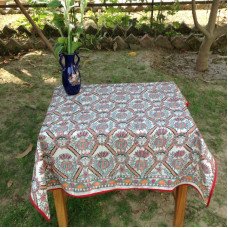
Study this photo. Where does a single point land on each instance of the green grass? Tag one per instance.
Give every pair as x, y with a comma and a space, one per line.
150, 211
23, 107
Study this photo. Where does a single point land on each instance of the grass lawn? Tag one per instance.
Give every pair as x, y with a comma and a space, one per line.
26, 87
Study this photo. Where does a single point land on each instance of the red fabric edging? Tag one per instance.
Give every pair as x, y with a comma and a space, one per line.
213, 185
38, 209
187, 103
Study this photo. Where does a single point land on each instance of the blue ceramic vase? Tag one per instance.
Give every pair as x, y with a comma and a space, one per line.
71, 78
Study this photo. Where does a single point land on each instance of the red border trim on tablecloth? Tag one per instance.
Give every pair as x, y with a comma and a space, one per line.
38, 209
124, 189
213, 184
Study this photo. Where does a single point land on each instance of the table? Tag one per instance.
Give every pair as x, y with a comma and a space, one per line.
120, 136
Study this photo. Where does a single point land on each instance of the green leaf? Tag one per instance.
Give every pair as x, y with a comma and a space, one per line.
54, 3
62, 40
58, 21
75, 46
57, 50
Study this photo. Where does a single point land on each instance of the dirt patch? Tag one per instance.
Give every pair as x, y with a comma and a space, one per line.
183, 64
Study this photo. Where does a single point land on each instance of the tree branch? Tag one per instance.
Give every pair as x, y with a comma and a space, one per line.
45, 40
219, 31
213, 16
198, 26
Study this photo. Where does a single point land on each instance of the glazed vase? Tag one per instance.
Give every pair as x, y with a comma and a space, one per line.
71, 78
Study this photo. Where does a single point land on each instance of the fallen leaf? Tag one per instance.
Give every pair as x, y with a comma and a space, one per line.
132, 54
26, 152
9, 183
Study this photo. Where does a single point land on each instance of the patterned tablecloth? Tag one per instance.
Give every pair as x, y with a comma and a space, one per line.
120, 136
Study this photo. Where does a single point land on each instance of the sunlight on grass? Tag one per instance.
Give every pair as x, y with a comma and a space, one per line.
49, 80
26, 72
7, 77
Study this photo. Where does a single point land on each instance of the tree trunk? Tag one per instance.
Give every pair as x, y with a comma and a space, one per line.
204, 53
36, 28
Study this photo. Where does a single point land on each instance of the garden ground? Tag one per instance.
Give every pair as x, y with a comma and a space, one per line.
26, 87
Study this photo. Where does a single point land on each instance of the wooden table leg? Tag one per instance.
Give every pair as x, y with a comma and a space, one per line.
60, 207
180, 204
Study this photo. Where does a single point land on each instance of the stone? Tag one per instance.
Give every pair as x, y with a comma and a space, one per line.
91, 30
220, 45
50, 31
193, 42
3, 49
221, 41
106, 43
133, 30
90, 27
104, 31
179, 42
184, 29
2, 12
146, 41
23, 30
131, 39
11, 11
13, 46
8, 32
39, 45
120, 43
29, 44
134, 47
118, 31
163, 41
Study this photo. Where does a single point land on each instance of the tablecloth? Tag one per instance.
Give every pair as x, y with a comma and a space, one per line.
120, 136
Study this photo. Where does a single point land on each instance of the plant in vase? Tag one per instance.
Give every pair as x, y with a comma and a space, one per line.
70, 28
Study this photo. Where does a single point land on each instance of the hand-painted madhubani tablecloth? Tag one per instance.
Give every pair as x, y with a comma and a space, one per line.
120, 136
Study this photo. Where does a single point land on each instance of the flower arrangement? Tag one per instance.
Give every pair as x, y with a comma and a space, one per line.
69, 26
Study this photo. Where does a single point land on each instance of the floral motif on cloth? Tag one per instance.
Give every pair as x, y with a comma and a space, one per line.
120, 136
